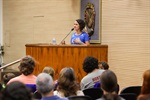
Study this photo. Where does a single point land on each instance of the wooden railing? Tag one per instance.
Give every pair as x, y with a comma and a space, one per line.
10, 64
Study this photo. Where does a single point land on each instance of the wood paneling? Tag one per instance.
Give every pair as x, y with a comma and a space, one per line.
59, 56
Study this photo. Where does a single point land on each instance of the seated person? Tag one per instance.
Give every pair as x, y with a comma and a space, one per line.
90, 66
6, 78
145, 90
26, 68
67, 85
44, 83
108, 85
49, 70
103, 65
16, 91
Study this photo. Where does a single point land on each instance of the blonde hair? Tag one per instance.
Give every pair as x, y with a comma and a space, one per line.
49, 70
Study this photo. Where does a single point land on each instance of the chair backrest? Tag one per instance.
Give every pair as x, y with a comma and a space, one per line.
79, 98
128, 96
37, 95
94, 93
32, 87
131, 89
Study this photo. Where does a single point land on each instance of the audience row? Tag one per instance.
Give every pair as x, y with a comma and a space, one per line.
98, 76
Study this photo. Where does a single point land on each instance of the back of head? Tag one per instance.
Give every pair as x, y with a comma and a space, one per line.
16, 91
67, 73
49, 70
103, 65
66, 82
44, 83
108, 81
7, 77
27, 65
146, 82
111, 97
90, 63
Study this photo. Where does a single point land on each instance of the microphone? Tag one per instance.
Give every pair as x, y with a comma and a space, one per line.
66, 35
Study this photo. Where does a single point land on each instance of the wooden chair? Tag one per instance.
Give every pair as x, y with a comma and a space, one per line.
94, 93
79, 98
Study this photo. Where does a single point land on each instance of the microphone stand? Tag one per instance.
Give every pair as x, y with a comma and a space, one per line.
66, 36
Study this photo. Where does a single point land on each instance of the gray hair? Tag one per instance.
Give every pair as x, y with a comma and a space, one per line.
44, 83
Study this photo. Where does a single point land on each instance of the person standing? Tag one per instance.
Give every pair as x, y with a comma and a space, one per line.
79, 37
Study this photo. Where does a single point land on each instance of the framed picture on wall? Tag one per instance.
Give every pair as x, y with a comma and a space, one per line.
91, 14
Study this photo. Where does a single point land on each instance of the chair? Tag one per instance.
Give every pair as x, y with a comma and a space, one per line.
37, 95
94, 93
32, 87
128, 96
79, 98
131, 89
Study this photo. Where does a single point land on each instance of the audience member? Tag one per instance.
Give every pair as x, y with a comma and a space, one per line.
108, 85
67, 85
45, 85
49, 70
103, 65
16, 91
6, 78
90, 66
26, 67
145, 90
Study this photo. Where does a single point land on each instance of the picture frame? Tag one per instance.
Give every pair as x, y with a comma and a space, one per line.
91, 14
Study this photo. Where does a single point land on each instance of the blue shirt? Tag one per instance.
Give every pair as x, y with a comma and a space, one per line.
83, 37
55, 97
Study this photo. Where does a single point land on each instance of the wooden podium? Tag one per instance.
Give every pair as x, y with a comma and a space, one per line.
60, 56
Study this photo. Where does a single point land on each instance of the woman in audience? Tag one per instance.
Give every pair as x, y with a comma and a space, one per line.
145, 90
67, 85
49, 70
16, 91
7, 77
108, 85
26, 67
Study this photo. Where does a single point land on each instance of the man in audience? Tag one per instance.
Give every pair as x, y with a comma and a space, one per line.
90, 66
45, 86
